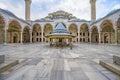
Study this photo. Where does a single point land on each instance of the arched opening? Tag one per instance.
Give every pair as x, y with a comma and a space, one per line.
106, 38
26, 35
15, 38
107, 33
84, 33
2, 25
118, 30
73, 30
14, 32
47, 30
36, 33
94, 35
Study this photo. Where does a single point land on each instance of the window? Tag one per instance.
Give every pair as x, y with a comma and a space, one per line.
80, 39
40, 40
37, 39
83, 39
83, 34
32, 39
44, 39
77, 39
37, 34
80, 33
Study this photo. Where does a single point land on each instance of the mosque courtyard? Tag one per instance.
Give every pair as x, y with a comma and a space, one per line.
39, 61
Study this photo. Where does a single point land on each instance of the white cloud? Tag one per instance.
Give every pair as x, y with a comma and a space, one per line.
79, 8
101, 9
116, 6
101, 1
3, 6
42, 1
17, 9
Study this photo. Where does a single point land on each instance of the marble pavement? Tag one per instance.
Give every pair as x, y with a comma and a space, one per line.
49, 63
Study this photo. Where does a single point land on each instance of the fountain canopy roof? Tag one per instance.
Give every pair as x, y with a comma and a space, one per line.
60, 32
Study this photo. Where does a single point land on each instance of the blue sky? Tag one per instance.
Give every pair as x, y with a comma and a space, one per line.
41, 8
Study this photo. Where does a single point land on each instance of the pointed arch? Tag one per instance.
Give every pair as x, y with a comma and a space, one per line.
73, 29
94, 35
26, 34
14, 32
14, 24
107, 25
48, 28
84, 33
107, 29
36, 33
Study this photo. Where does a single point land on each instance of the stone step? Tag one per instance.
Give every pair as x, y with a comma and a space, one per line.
7, 65
110, 65
2, 59
22, 62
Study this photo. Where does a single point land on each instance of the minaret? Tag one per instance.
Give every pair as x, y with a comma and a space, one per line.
93, 10
27, 9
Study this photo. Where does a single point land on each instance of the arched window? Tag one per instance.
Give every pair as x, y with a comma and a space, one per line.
37, 33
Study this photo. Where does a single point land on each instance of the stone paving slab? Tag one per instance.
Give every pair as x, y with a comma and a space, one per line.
54, 70
2, 59
45, 63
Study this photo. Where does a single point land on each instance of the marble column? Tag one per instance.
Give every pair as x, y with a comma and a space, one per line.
100, 37
78, 36
90, 36
82, 36
116, 36
30, 36
21, 36
42, 34
5, 35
